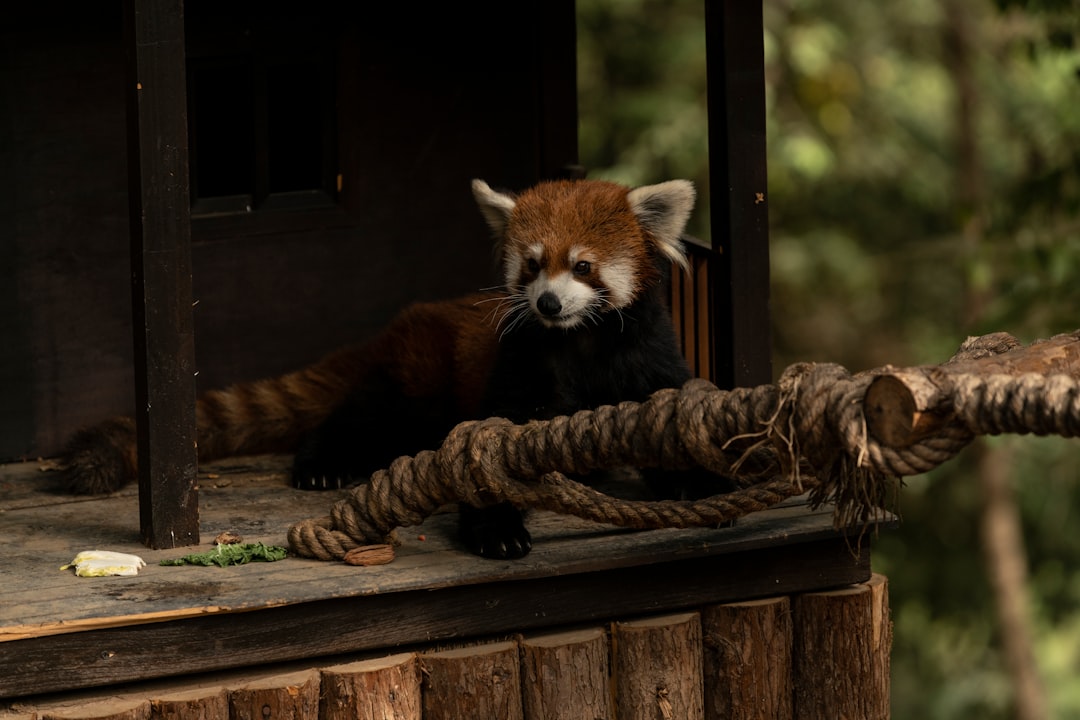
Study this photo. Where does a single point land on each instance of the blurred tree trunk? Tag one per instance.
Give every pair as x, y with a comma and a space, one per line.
1003, 549
1002, 538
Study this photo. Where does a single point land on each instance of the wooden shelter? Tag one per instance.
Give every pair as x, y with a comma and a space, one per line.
233, 189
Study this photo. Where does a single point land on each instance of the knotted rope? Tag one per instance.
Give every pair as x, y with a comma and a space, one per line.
807, 432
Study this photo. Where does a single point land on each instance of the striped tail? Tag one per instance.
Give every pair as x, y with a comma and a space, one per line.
264, 416
272, 415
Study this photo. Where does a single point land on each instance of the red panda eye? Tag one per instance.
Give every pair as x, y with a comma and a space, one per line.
582, 268
532, 265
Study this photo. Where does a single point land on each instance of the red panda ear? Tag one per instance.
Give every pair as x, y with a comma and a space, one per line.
663, 210
496, 207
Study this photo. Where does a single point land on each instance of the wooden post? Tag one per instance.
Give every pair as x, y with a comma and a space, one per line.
473, 682
738, 193
658, 668
842, 640
379, 689
566, 676
294, 696
160, 229
198, 704
748, 660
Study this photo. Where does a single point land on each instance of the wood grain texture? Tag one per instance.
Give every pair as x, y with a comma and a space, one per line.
562, 675
60, 632
294, 696
379, 689
473, 682
748, 660
198, 704
842, 640
658, 668
101, 710
566, 676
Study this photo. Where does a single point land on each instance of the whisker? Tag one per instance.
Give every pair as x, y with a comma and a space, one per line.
603, 298
512, 311
519, 316
506, 304
506, 294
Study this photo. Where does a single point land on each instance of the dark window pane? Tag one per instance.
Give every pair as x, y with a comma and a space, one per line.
221, 121
296, 110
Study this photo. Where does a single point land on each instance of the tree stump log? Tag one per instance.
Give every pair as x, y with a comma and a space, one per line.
658, 668
198, 704
294, 696
841, 644
566, 676
379, 689
472, 682
748, 660
906, 405
101, 710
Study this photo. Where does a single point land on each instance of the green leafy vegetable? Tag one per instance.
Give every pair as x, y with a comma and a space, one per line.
238, 554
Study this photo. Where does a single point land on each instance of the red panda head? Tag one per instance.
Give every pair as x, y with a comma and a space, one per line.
573, 250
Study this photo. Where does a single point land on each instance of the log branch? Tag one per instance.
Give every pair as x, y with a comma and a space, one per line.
906, 405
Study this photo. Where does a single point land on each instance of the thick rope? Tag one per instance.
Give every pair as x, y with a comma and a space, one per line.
808, 432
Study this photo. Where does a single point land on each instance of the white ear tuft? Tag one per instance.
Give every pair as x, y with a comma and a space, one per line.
663, 210
496, 207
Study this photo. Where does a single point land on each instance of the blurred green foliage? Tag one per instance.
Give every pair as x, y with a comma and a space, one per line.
899, 226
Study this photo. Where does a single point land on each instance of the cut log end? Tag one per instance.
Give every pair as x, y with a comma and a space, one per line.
904, 406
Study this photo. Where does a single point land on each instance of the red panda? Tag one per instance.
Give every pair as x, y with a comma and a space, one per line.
581, 321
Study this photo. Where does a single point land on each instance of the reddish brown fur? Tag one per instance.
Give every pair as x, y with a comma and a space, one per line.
433, 348
447, 346
593, 215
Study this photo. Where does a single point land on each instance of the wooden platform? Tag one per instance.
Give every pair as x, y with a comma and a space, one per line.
60, 632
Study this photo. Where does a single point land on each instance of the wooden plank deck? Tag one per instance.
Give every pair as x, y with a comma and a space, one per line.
61, 632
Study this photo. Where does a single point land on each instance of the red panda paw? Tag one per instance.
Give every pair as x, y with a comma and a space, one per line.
317, 467
497, 532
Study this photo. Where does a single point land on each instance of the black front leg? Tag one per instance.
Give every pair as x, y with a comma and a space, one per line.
497, 531
329, 457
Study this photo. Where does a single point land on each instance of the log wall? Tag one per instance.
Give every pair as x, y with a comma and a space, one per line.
814, 656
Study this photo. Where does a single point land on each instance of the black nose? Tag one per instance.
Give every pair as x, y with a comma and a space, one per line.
548, 304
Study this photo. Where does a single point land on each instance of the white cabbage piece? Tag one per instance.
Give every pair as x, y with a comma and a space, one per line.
99, 563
